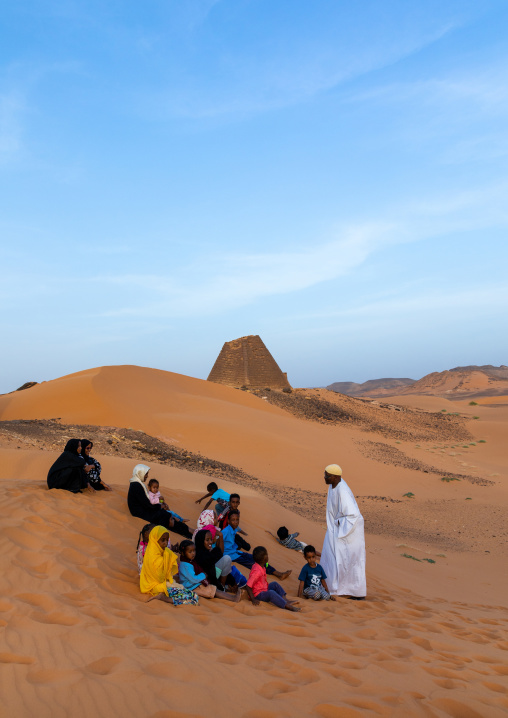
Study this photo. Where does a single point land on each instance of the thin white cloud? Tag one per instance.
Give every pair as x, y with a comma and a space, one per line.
215, 284
289, 72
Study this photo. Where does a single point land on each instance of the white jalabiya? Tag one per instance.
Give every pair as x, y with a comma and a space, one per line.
343, 555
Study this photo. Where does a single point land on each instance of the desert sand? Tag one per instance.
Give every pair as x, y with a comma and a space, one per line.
78, 639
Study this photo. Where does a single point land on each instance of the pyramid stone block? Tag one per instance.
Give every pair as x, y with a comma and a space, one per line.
247, 362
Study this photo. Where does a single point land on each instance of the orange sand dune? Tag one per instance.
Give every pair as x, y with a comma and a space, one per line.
219, 422
78, 640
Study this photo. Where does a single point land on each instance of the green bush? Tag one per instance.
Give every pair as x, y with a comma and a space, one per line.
473, 403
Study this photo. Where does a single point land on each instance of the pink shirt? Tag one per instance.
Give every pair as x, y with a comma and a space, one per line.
154, 498
257, 579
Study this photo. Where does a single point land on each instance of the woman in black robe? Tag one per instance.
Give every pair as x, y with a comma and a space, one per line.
94, 475
69, 471
140, 506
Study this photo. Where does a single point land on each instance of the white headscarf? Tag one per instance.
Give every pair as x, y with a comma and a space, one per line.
138, 476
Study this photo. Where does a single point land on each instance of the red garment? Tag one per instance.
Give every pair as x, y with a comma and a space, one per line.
257, 579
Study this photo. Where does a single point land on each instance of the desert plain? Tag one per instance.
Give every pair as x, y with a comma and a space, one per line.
430, 476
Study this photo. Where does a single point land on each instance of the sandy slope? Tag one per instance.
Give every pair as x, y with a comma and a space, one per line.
78, 639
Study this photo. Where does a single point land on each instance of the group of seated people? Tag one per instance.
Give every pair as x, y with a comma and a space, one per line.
202, 564
76, 470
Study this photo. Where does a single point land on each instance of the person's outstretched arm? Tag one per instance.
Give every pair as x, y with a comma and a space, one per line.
323, 583
198, 501
300, 589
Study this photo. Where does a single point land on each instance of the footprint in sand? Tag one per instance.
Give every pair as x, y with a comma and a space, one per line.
57, 618
233, 644
230, 659
16, 658
326, 710
51, 676
365, 705
456, 709
314, 658
117, 632
104, 666
261, 662
272, 689
496, 687
344, 676
296, 631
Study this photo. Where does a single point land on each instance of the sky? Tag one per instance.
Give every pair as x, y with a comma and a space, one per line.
328, 174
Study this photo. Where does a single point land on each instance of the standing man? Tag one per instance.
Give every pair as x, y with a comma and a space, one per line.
343, 556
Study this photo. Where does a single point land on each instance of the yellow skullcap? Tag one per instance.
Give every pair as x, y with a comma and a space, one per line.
334, 469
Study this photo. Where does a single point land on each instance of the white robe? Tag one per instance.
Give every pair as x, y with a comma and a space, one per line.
343, 555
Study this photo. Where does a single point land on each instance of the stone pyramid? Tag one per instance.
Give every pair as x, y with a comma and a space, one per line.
247, 362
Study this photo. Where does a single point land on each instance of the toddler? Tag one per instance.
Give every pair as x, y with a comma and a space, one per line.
155, 498
258, 587
312, 578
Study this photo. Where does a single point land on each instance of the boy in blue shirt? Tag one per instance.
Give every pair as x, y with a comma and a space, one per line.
218, 495
232, 550
312, 578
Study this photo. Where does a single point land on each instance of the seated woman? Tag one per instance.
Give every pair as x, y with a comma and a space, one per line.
94, 475
159, 566
140, 506
69, 471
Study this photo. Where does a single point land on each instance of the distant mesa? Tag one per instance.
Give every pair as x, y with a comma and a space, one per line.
246, 362
460, 382
463, 381
371, 388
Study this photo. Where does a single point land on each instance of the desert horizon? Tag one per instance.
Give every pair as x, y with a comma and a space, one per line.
429, 640
253, 260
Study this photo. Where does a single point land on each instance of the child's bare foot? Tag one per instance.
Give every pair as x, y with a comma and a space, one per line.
293, 600
334, 598
284, 575
290, 607
160, 597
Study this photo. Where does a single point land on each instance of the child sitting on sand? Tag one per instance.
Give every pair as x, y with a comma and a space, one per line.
155, 497
258, 587
142, 544
218, 495
223, 517
312, 578
194, 578
160, 565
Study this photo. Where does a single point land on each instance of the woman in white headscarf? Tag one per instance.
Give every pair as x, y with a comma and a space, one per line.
140, 506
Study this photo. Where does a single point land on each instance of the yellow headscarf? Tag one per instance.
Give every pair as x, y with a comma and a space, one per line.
159, 565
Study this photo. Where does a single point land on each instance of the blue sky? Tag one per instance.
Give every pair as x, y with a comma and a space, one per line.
331, 175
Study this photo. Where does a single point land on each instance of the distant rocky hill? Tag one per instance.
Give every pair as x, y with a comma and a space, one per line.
460, 382
371, 388
463, 381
